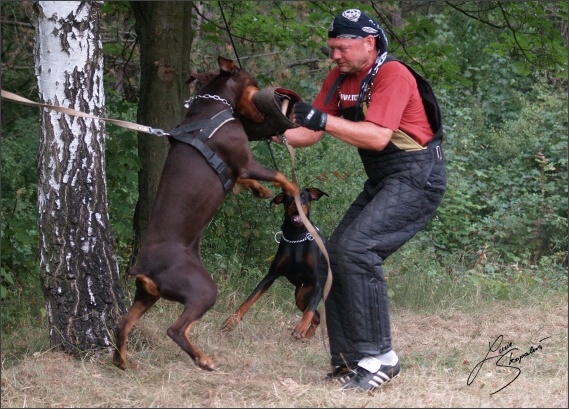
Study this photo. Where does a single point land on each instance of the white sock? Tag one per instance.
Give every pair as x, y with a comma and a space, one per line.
389, 358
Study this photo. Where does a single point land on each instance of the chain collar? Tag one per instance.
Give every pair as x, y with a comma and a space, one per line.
307, 237
208, 96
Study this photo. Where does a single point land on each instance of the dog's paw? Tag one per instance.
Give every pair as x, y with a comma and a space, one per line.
119, 361
304, 330
262, 193
301, 332
229, 324
203, 362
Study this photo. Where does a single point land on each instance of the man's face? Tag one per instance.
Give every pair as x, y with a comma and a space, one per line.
354, 54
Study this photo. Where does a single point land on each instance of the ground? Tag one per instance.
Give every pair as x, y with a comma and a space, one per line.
448, 359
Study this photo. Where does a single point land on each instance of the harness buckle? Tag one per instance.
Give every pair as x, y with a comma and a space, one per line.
216, 163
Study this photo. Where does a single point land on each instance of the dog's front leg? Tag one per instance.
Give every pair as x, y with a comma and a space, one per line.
255, 187
258, 172
307, 299
303, 328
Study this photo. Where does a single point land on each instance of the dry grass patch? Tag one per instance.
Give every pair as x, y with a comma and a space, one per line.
260, 365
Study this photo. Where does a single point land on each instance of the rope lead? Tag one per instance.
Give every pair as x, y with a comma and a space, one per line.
230, 36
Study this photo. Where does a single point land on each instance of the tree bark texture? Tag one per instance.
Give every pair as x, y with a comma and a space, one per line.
78, 266
165, 36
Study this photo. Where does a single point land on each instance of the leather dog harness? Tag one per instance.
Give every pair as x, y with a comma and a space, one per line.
208, 127
269, 101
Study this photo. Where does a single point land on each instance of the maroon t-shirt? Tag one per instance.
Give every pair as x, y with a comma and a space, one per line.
395, 100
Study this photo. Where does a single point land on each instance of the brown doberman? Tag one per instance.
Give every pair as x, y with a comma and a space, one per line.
209, 153
297, 259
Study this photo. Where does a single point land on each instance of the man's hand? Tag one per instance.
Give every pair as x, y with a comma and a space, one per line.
309, 117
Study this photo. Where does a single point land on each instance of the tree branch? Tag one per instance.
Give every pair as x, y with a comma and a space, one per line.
303, 62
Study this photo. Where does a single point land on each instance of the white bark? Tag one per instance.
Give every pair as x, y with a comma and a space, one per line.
78, 266
61, 58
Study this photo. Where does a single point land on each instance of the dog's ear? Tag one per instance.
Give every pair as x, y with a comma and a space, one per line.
226, 65
278, 199
315, 193
201, 77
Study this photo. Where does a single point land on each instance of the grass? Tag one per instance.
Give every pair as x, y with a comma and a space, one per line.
259, 364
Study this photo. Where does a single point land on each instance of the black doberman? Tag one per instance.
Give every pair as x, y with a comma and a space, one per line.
297, 259
199, 169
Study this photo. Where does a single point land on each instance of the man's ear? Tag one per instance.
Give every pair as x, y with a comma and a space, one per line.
371, 42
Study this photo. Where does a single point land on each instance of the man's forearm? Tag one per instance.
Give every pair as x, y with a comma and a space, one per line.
363, 134
302, 137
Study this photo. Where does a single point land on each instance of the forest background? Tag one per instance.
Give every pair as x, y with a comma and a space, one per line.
499, 70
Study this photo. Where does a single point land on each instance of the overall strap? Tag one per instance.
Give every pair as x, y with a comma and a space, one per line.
432, 108
342, 77
335, 86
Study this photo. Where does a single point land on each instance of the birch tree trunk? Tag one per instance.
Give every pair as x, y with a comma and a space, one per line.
78, 266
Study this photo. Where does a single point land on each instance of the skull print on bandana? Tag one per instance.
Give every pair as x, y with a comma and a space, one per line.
352, 14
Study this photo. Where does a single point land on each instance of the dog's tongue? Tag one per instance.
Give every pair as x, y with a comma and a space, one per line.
297, 219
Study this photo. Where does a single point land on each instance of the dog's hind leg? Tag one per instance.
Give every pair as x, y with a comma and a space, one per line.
180, 331
143, 301
198, 295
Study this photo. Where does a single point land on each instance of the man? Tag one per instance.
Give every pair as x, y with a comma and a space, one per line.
374, 105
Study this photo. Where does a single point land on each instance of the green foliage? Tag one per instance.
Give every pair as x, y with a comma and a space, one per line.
508, 185
533, 35
20, 252
505, 209
499, 70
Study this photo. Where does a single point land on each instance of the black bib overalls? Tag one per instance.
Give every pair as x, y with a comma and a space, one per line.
403, 190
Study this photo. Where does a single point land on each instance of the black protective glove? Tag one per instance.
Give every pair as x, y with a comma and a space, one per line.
309, 117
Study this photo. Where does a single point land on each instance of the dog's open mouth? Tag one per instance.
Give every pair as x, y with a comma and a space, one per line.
296, 218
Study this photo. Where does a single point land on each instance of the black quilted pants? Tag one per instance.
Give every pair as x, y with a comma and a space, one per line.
388, 212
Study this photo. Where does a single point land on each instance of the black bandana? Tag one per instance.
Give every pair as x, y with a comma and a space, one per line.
354, 23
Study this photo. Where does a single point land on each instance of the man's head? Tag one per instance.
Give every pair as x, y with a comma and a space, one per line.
355, 39
353, 23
